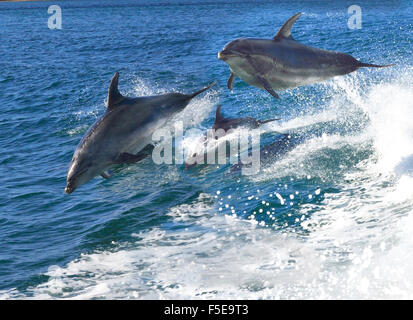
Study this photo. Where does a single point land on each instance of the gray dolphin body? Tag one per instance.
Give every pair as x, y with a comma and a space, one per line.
282, 63
224, 124
124, 129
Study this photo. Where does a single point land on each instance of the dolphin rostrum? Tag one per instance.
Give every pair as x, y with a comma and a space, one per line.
283, 63
121, 132
225, 124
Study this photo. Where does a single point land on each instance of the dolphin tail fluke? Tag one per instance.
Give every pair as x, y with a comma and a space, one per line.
202, 90
362, 64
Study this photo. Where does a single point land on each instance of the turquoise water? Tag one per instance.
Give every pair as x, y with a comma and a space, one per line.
331, 218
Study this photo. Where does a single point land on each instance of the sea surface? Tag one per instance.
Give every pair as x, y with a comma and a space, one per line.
330, 218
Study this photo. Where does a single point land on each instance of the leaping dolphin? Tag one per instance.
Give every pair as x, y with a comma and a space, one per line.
283, 63
124, 129
224, 124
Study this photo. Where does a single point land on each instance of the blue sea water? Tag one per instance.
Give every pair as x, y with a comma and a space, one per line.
331, 218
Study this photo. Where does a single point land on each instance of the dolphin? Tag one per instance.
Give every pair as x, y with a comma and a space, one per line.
232, 123
225, 124
272, 152
121, 132
283, 63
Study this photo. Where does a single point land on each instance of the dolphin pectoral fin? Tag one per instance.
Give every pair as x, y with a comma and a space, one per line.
285, 31
105, 174
230, 82
268, 87
126, 158
261, 69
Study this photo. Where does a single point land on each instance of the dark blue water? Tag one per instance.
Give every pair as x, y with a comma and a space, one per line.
330, 218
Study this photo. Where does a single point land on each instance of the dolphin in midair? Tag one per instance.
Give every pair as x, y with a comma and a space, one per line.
125, 129
283, 63
224, 124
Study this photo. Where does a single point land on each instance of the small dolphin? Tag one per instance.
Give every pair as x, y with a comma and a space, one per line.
224, 124
283, 63
124, 129
232, 123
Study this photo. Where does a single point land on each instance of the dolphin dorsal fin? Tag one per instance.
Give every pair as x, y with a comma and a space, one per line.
114, 96
218, 115
285, 31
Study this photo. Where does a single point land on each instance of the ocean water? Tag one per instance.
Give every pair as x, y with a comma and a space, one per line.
331, 218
